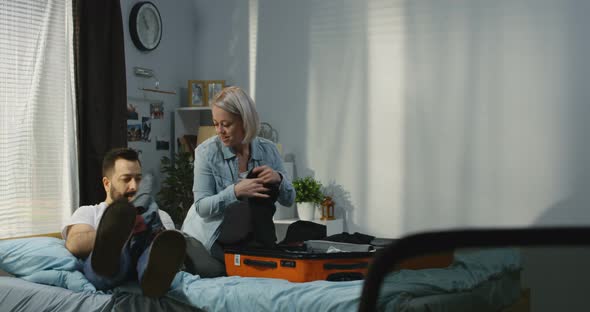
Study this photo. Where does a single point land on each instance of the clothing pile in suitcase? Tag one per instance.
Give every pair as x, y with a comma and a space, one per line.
307, 255
301, 257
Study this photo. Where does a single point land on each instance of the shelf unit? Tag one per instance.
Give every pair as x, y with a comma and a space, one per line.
194, 108
187, 120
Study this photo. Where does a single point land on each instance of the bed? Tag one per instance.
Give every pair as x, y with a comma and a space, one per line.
46, 277
486, 255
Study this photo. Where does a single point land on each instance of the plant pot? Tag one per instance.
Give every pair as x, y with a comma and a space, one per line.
306, 211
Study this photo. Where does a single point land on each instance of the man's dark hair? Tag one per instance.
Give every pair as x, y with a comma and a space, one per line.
108, 162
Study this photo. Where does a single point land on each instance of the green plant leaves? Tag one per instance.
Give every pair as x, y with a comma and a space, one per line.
308, 190
176, 194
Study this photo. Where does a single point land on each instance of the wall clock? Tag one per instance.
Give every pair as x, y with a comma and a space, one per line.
145, 26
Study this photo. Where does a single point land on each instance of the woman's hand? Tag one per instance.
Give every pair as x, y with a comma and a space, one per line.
267, 175
250, 188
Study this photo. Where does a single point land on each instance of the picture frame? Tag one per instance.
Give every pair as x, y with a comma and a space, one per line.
202, 92
214, 87
197, 93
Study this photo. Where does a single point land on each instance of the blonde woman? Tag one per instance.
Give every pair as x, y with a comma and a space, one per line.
237, 178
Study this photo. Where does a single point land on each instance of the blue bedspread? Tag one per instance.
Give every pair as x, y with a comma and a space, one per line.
46, 261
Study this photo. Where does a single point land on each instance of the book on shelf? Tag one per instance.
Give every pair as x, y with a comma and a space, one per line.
188, 142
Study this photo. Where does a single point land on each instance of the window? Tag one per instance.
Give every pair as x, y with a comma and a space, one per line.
38, 162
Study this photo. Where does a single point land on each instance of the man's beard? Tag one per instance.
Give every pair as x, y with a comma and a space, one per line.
115, 195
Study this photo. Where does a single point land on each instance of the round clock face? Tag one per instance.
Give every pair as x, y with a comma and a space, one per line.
145, 25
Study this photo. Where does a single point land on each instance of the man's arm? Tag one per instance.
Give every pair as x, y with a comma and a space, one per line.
80, 240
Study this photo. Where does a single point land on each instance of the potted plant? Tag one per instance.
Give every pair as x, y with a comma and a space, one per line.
308, 194
176, 194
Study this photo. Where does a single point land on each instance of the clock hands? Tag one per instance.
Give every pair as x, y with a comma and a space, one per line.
145, 22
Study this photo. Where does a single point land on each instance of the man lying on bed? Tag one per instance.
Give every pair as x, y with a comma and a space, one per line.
123, 237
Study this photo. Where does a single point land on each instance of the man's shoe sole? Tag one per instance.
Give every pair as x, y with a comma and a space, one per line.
114, 229
165, 259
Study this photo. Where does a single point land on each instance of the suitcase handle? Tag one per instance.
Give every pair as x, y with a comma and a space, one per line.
259, 263
345, 276
346, 266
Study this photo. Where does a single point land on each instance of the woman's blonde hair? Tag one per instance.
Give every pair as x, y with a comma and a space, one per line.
236, 101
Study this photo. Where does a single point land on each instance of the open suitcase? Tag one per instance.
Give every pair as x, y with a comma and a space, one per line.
297, 265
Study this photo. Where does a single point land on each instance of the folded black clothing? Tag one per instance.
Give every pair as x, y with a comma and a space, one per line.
273, 192
356, 238
301, 231
237, 223
262, 210
250, 222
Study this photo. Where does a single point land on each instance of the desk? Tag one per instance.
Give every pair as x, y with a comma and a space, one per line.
332, 226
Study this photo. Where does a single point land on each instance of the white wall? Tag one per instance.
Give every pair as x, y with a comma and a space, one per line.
428, 114
222, 41
173, 62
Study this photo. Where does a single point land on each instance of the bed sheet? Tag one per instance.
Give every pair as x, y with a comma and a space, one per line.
490, 296
44, 261
20, 295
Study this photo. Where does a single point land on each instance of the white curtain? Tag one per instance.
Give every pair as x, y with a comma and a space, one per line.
442, 114
494, 113
38, 157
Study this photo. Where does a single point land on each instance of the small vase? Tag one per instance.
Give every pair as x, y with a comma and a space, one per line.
306, 211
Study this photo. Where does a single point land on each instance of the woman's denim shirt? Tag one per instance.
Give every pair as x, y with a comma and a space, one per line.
216, 173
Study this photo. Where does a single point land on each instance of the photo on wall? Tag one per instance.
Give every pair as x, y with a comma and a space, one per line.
157, 110
146, 128
132, 112
133, 132
162, 144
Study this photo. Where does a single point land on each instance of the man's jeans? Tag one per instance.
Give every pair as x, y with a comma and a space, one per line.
125, 270
147, 226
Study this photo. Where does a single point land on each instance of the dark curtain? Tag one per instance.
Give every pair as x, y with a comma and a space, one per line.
101, 90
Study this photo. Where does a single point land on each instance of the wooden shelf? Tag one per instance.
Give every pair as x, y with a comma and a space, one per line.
157, 90
194, 108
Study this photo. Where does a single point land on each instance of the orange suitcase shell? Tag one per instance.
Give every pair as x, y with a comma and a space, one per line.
297, 266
